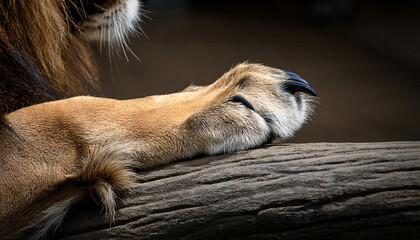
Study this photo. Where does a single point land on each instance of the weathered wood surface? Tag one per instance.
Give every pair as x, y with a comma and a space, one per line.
280, 191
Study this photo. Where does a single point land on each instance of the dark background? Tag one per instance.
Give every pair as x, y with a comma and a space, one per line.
362, 57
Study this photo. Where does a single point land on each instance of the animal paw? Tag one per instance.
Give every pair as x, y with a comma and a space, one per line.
249, 106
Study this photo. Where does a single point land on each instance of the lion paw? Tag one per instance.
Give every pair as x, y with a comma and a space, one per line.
250, 105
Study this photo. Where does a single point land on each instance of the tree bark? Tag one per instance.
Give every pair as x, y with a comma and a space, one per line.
279, 191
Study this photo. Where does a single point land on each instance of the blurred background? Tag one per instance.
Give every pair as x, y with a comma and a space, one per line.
362, 57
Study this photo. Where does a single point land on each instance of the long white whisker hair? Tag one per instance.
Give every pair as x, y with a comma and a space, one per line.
121, 23
113, 26
119, 32
123, 36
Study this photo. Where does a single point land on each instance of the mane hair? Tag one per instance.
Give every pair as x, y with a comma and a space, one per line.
41, 56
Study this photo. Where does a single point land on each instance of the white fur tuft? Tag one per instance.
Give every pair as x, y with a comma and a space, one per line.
115, 25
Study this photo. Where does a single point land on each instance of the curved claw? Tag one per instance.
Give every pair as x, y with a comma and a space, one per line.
243, 101
294, 76
297, 84
293, 87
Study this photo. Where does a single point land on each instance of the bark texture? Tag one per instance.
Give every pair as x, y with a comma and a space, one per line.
279, 191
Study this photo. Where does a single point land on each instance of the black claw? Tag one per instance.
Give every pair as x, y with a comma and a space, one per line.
295, 77
243, 101
293, 87
270, 118
297, 84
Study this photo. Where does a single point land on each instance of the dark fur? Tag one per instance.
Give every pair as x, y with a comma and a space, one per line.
21, 81
33, 72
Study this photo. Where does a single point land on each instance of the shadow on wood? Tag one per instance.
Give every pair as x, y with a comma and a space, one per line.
279, 191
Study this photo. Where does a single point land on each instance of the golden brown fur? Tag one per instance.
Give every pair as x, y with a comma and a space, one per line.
60, 152
40, 31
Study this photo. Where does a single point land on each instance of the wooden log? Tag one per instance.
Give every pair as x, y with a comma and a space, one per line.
279, 191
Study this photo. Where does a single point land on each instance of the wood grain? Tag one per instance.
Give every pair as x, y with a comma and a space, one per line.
279, 191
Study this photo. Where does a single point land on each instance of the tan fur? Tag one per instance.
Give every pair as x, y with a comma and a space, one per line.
60, 152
